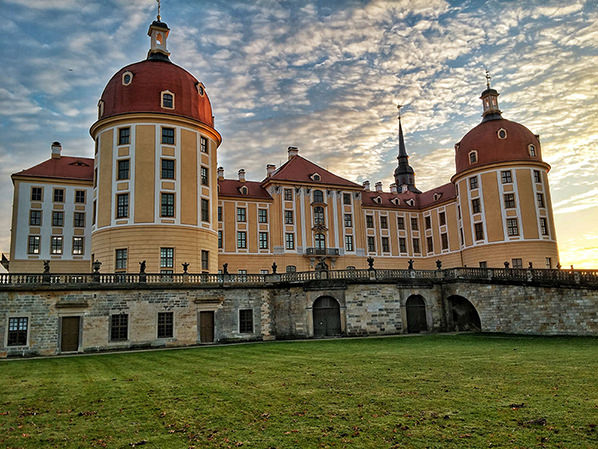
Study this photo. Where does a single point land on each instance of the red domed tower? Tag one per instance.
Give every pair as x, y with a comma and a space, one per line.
155, 194
503, 197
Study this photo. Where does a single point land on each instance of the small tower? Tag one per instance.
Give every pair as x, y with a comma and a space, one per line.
158, 32
404, 174
490, 102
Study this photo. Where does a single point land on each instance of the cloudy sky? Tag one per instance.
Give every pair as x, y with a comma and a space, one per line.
325, 76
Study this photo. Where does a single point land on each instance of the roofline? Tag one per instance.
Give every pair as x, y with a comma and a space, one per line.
310, 184
17, 177
499, 163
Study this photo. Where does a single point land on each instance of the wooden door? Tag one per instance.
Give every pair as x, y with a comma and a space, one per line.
69, 340
206, 327
416, 314
327, 317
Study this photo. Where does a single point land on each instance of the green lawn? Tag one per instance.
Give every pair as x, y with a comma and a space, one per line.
444, 391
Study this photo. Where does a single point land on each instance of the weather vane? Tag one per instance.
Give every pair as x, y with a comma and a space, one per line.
488, 79
158, 10
399, 106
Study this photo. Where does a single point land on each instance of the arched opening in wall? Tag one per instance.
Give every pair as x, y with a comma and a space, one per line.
416, 314
463, 316
327, 317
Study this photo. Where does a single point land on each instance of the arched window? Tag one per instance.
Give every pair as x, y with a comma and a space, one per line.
318, 196
167, 100
100, 109
320, 241
318, 215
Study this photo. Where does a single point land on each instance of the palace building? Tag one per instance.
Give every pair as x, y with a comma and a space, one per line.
154, 193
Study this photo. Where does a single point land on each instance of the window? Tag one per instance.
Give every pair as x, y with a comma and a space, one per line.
168, 136
288, 194
95, 178
203, 144
205, 210
167, 100
33, 244
166, 260
401, 222
473, 157
484, 264
59, 195
348, 243
537, 177
119, 327
416, 248
502, 133
428, 222
517, 263
263, 240
459, 212
548, 262
320, 241
36, 193
93, 213
473, 183
79, 219
444, 240
479, 231
540, 198
348, 220
246, 321
57, 218
402, 245
165, 325
79, 196
241, 239
56, 244
124, 135
262, 215
346, 198
371, 244
127, 78
369, 221
318, 196
383, 222
543, 226
318, 215
475, 206
204, 176
414, 225
219, 213
291, 269
385, 245
167, 169
17, 331
505, 177
430, 244
167, 205
512, 227
288, 217
205, 260
289, 240
241, 214
77, 245
220, 239
121, 259
35, 217
442, 218
532, 150
509, 200
122, 205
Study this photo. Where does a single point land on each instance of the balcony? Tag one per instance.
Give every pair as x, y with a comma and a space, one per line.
321, 251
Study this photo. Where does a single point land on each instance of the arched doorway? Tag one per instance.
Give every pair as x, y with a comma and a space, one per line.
327, 317
463, 316
416, 314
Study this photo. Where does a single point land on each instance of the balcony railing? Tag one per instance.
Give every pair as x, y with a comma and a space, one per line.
321, 251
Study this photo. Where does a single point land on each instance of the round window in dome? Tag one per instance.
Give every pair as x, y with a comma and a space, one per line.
200, 89
127, 78
502, 133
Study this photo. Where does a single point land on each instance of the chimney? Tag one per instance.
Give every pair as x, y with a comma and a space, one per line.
293, 151
393, 188
56, 150
220, 173
270, 168
378, 186
242, 175
366, 186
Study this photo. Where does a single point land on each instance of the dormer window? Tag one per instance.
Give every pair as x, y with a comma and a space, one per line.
473, 156
437, 196
167, 100
315, 177
127, 78
100, 109
410, 202
244, 190
377, 200
532, 150
502, 133
201, 90
395, 201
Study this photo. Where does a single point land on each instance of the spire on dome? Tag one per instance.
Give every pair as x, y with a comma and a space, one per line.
158, 32
404, 173
490, 102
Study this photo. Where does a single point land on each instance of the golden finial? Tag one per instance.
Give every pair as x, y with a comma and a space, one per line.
159, 18
488, 79
399, 106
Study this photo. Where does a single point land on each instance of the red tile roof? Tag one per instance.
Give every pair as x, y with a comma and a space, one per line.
421, 201
66, 167
299, 169
231, 187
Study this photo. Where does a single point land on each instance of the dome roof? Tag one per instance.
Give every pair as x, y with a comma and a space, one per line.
142, 93
497, 141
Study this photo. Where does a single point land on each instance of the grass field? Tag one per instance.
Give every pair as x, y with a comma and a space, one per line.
443, 391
